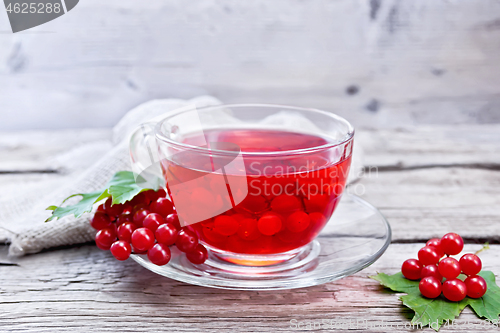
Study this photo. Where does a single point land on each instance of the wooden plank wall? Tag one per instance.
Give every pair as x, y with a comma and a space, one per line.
378, 62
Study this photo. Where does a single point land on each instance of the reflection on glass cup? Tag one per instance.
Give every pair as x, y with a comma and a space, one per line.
257, 183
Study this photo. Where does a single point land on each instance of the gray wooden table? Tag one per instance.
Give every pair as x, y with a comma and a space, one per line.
426, 181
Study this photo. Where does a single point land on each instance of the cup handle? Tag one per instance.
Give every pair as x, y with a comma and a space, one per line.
144, 157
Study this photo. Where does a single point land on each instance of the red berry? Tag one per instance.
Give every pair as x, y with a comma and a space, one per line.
125, 231
143, 239
436, 242
136, 251
253, 204
123, 218
139, 199
225, 225
105, 237
198, 255
139, 207
428, 255
431, 270
454, 290
452, 243
153, 221
470, 264
162, 206
166, 234
108, 203
269, 224
318, 202
127, 208
238, 217
411, 269
121, 250
161, 193
150, 196
101, 208
112, 210
298, 221
174, 219
476, 286
430, 287
100, 221
449, 268
248, 229
212, 236
286, 204
317, 219
139, 216
186, 240
159, 254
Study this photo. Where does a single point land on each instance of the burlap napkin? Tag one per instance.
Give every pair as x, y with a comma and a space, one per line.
22, 215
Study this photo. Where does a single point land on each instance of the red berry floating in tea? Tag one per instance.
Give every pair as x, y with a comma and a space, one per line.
268, 209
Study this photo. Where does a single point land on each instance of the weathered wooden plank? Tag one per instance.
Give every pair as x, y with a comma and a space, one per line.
85, 290
34, 151
429, 146
380, 63
388, 149
423, 203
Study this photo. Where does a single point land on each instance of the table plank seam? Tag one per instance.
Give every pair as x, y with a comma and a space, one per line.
402, 167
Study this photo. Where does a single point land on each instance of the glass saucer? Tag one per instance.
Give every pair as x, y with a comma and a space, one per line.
354, 238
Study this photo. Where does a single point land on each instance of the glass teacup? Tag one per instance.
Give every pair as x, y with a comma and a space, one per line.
257, 183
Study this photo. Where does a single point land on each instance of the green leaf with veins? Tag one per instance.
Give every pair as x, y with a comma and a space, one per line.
397, 282
430, 311
122, 187
487, 306
78, 209
434, 312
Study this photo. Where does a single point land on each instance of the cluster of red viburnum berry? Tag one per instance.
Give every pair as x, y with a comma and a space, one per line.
430, 270
147, 224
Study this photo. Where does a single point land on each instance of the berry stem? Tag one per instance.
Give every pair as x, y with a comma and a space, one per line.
486, 246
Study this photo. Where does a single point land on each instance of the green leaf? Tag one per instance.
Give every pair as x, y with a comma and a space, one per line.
487, 306
397, 282
83, 206
122, 187
432, 312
